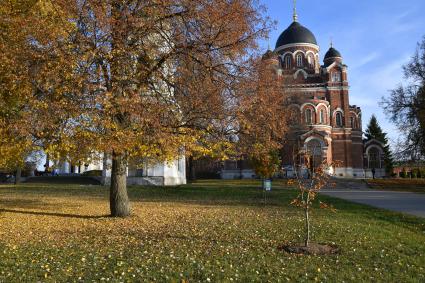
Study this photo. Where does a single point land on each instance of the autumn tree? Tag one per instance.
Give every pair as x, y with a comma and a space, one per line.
138, 79
374, 131
263, 117
15, 87
406, 106
309, 186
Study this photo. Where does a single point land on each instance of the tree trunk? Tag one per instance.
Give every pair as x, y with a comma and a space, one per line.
18, 175
119, 203
307, 226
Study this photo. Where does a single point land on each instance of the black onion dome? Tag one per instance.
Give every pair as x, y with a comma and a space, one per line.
269, 55
332, 53
296, 33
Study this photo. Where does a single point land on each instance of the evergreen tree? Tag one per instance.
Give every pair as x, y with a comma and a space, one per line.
374, 131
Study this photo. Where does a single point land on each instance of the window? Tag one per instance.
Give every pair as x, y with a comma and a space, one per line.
308, 117
322, 116
230, 165
352, 122
336, 77
339, 119
374, 158
310, 60
140, 172
299, 60
287, 62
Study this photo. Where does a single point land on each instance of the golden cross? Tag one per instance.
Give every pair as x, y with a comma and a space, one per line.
295, 16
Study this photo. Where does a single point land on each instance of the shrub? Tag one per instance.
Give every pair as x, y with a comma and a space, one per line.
414, 174
403, 173
207, 175
93, 173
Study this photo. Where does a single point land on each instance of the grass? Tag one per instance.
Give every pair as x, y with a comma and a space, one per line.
406, 185
214, 231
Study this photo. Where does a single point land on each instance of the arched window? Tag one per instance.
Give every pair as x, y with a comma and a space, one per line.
352, 123
308, 117
336, 77
310, 59
299, 60
287, 62
374, 157
338, 119
322, 116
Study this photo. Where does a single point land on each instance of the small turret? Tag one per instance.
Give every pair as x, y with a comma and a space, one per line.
332, 56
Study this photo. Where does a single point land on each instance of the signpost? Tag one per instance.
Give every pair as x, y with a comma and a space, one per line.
267, 187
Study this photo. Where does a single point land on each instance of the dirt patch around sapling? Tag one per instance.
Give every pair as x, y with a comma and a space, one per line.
312, 249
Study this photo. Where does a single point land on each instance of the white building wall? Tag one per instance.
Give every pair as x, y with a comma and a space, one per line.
156, 170
162, 173
175, 172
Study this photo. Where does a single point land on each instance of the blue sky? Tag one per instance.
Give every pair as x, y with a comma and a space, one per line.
375, 38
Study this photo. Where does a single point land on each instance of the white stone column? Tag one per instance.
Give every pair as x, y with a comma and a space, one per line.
65, 167
106, 170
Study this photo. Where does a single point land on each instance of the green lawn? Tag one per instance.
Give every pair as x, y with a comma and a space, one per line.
208, 231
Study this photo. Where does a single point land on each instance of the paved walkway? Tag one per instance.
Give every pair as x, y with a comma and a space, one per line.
358, 191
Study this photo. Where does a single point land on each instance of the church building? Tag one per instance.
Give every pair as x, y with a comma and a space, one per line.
326, 125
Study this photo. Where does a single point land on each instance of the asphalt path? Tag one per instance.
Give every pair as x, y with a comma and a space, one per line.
405, 202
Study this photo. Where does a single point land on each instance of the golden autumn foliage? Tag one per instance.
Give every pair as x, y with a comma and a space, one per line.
13, 86
263, 118
138, 79
25, 25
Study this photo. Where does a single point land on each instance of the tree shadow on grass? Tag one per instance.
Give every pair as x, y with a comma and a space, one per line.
21, 203
55, 190
220, 194
67, 215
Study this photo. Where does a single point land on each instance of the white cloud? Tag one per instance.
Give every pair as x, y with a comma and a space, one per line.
369, 85
365, 60
387, 76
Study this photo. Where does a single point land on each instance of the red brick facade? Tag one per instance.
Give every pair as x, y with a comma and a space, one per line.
320, 97
324, 123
